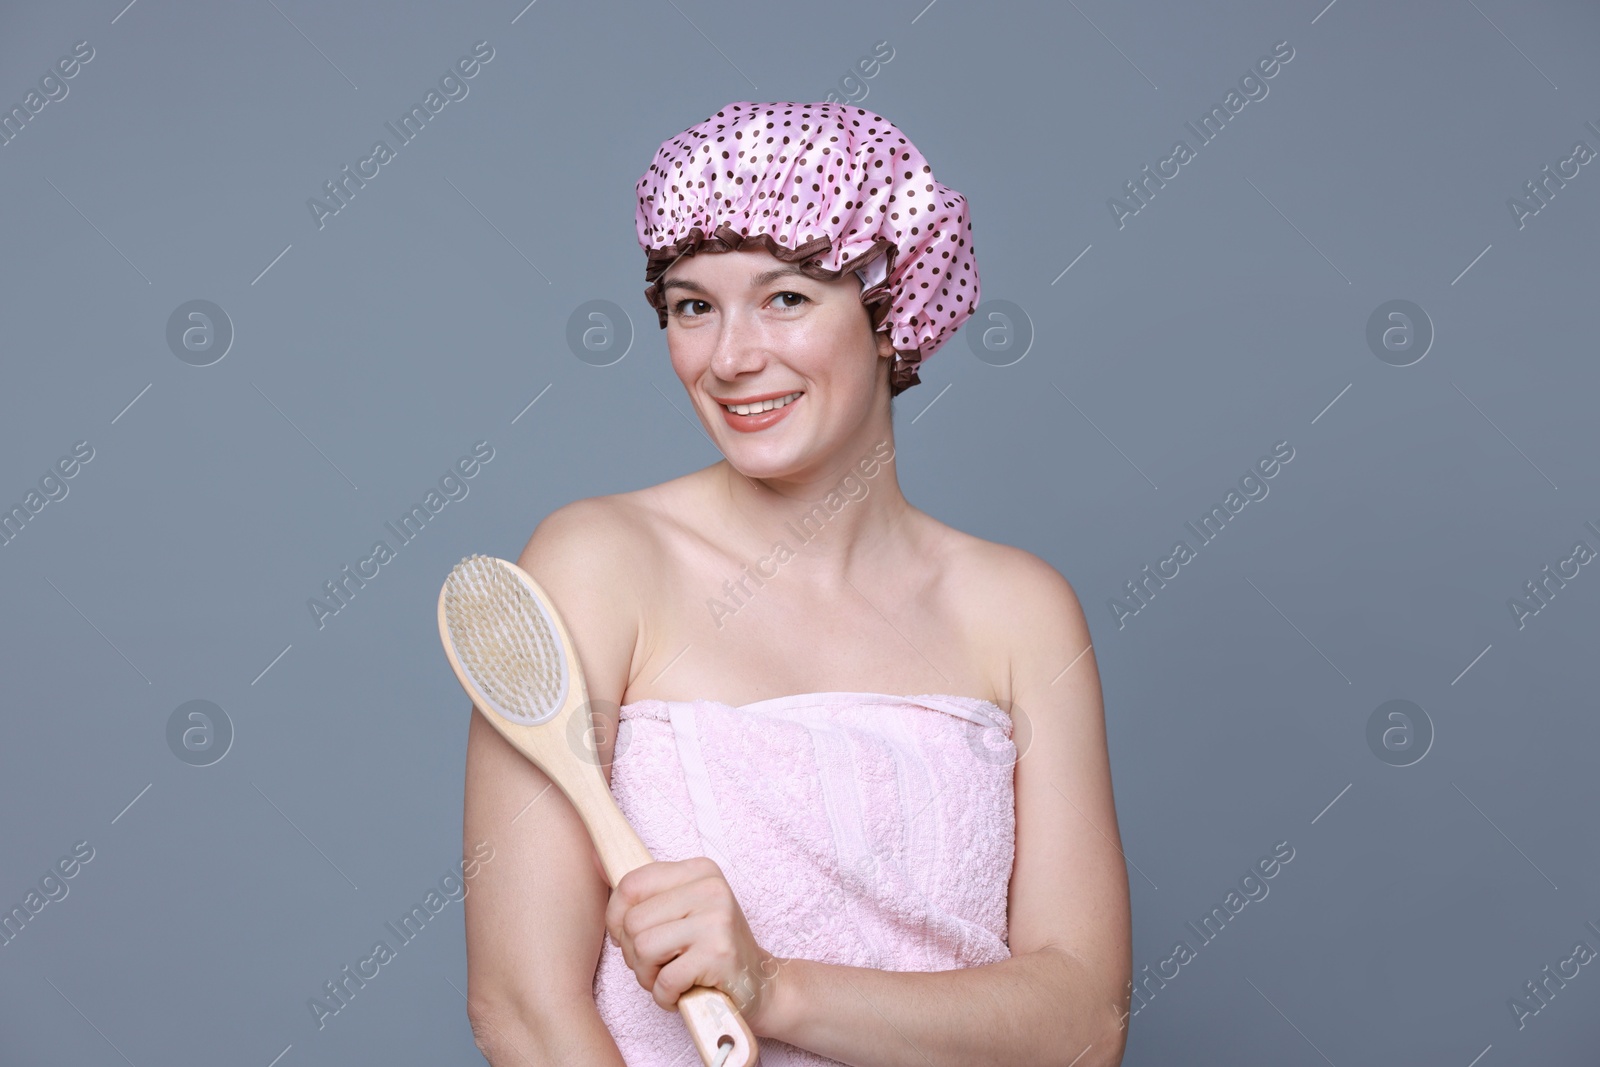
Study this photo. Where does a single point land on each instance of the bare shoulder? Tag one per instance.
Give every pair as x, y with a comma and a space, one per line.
1001, 580
617, 529
1027, 609
588, 535
584, 555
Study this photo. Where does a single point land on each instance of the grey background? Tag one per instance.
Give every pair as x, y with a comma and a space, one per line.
1227, 315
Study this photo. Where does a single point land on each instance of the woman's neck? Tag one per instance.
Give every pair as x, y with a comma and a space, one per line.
852, 514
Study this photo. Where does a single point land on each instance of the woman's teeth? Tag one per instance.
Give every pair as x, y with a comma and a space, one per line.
765, 405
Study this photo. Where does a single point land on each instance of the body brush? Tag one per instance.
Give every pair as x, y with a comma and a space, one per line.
512, 653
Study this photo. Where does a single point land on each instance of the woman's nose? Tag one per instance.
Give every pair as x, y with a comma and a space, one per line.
741, 346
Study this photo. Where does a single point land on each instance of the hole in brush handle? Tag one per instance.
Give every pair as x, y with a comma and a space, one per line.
721, 1035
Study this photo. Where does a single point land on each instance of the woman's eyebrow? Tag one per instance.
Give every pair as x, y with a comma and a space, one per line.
757, 281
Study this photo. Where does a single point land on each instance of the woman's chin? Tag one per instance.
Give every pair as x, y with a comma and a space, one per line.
763, 467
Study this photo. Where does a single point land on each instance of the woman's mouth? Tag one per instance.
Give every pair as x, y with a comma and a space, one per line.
752, 415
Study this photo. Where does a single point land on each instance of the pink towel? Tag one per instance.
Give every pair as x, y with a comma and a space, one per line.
855, 828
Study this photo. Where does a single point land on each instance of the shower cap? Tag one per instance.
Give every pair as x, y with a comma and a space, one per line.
829, 188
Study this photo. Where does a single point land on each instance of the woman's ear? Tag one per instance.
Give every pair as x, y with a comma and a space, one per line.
885, 343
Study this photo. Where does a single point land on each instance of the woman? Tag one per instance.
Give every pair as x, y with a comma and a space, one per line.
873, 878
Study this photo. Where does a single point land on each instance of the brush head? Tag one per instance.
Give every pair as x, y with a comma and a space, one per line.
505, 640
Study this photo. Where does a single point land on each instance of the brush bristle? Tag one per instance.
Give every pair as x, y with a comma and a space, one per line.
504, 640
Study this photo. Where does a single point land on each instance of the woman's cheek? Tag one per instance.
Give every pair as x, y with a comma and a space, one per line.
680, 351
811, 346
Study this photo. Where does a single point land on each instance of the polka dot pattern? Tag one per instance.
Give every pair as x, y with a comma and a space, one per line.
829, 188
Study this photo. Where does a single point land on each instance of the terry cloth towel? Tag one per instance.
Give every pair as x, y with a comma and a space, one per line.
855, 828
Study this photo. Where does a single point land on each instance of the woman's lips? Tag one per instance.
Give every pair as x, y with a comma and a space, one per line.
753, 423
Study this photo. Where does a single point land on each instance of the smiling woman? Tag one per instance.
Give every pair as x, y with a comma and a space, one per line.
871, 206
860, 871
757, 343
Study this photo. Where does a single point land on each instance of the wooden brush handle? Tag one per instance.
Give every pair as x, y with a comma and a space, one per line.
711, 1018
709, 1014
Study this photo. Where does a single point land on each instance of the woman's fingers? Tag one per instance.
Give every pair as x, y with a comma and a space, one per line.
700, 965
677, 956
658, 931
679, 925
653, 880
688, 898
679, 944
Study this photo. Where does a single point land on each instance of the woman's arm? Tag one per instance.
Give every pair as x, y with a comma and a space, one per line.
535, 917
1061, 998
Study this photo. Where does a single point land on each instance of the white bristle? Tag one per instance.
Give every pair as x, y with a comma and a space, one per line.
504, 640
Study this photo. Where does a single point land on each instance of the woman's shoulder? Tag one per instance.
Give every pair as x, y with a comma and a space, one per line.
597, 527
998, 571
1019, 611
1008, 592
592, 557
613, 530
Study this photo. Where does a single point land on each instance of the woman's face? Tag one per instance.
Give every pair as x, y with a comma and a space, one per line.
744, 327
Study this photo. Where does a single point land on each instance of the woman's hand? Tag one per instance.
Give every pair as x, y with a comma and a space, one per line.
679, 926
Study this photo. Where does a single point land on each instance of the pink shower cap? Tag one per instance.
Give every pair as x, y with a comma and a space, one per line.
829, 188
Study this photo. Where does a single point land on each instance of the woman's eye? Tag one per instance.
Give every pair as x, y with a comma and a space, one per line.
799, 297
677, 309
